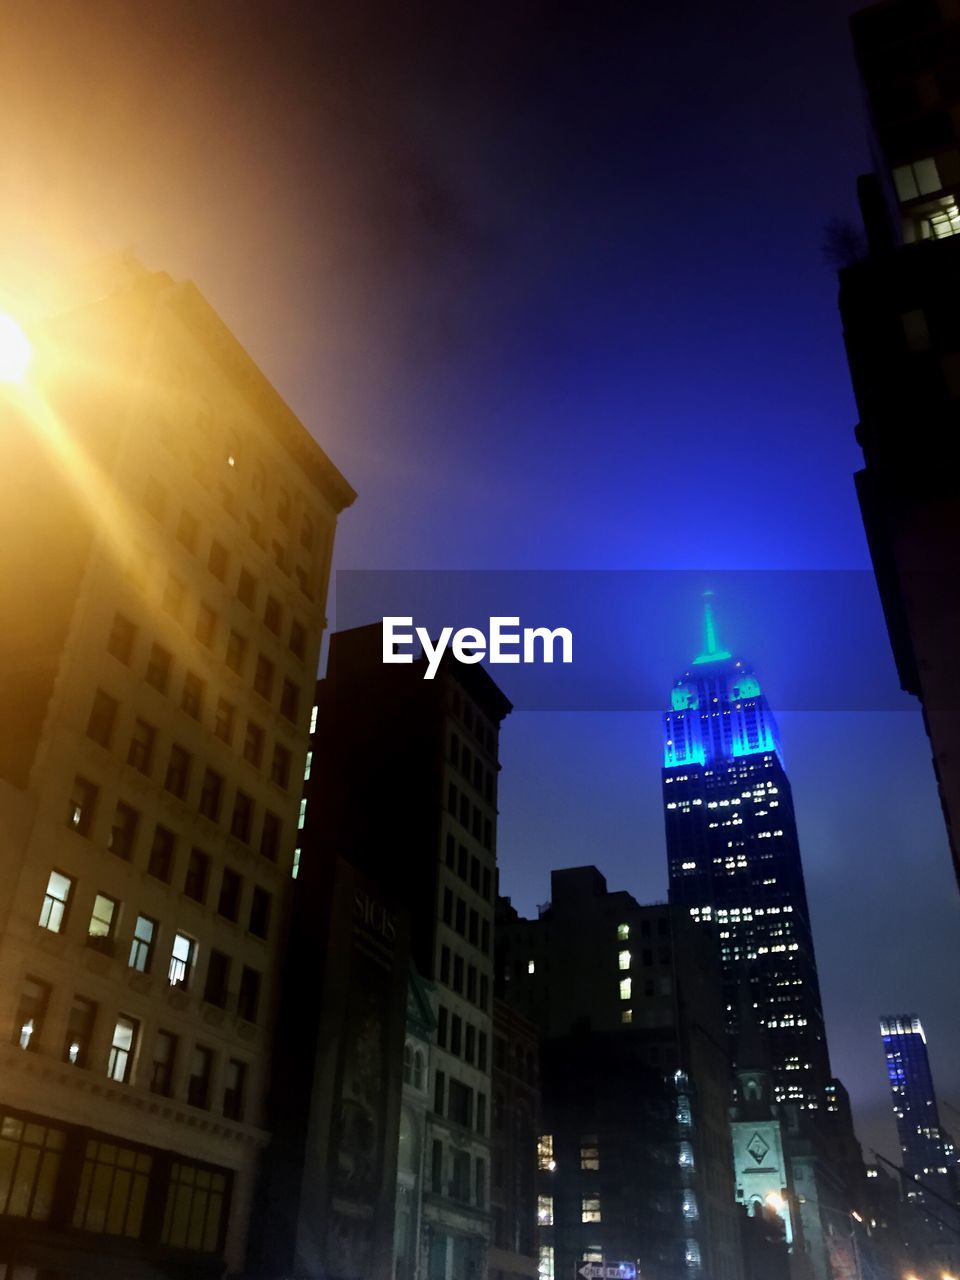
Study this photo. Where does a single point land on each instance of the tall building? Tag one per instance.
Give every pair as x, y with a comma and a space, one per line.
928, 1151
634, 1158
167, 531
402, 794
903, 347
514, 1130
734, 860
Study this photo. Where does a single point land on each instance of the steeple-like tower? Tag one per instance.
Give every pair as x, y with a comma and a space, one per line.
734, 859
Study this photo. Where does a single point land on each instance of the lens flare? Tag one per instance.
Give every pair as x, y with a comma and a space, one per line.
15, 350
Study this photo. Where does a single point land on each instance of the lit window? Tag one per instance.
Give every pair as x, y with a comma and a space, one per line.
590, 1209
295, 869
545, 1211
624, 959
626, 1016
122, 1047
141, 948
589, 1153
546, 1269
545, 1158
531, 966
623, 932
918, 179
54, 908
182, 957
626, 986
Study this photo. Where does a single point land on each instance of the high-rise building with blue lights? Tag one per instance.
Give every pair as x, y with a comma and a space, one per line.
734, 860
929, 1156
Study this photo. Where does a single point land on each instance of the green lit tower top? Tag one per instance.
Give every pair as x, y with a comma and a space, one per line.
734, 859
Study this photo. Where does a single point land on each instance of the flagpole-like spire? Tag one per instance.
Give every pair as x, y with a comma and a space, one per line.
711, 650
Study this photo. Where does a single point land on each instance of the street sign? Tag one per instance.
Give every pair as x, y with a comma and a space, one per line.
608, 1271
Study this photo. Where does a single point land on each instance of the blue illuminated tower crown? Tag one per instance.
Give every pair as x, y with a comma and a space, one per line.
717, 708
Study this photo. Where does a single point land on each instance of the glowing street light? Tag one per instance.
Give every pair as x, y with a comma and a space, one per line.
775, 1201
15, 350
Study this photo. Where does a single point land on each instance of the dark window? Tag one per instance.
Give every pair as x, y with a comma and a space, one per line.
450, 852
121, 639
306, 533
142, 740
253, 744
458, 974
218, 979
280, 556
456, 1034
224, 720
486, 884
461, 918
462, 860
263, 677
192, 700
475, 874
439, 1082
236, 652
473, 931
162, 1064
158, 668
228, 904
472, 984
83, 802
447, 907
436, 1164
272, 615
198, 869
260, 908
484, 992
178, 771
123, 831
445, 964
160, 864
246, 588
280, 765
248, 997
482, 1066
187, 529
485, 937
174, 594
217, 560
298, 639
283, 506
460, 1104
154, 498
198, 1082
256, 528
79, 1033
289, 700
234, 1087
211, 794
442, 1026
270, 836
242, 818
469, 1043
31, 1012
206, 628
103, 717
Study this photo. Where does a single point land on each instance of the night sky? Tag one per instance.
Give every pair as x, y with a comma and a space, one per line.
547, 283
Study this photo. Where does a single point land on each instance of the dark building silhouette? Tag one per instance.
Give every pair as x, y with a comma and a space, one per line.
734, 861
634, 1155
513, 1136
902, 337
400, 808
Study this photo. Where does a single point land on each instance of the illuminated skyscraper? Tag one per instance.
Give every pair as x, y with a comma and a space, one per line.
928, 1152
735, 862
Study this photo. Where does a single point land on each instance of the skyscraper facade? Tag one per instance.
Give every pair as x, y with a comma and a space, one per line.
734, 860
929, 1155
898, 303
167, 532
